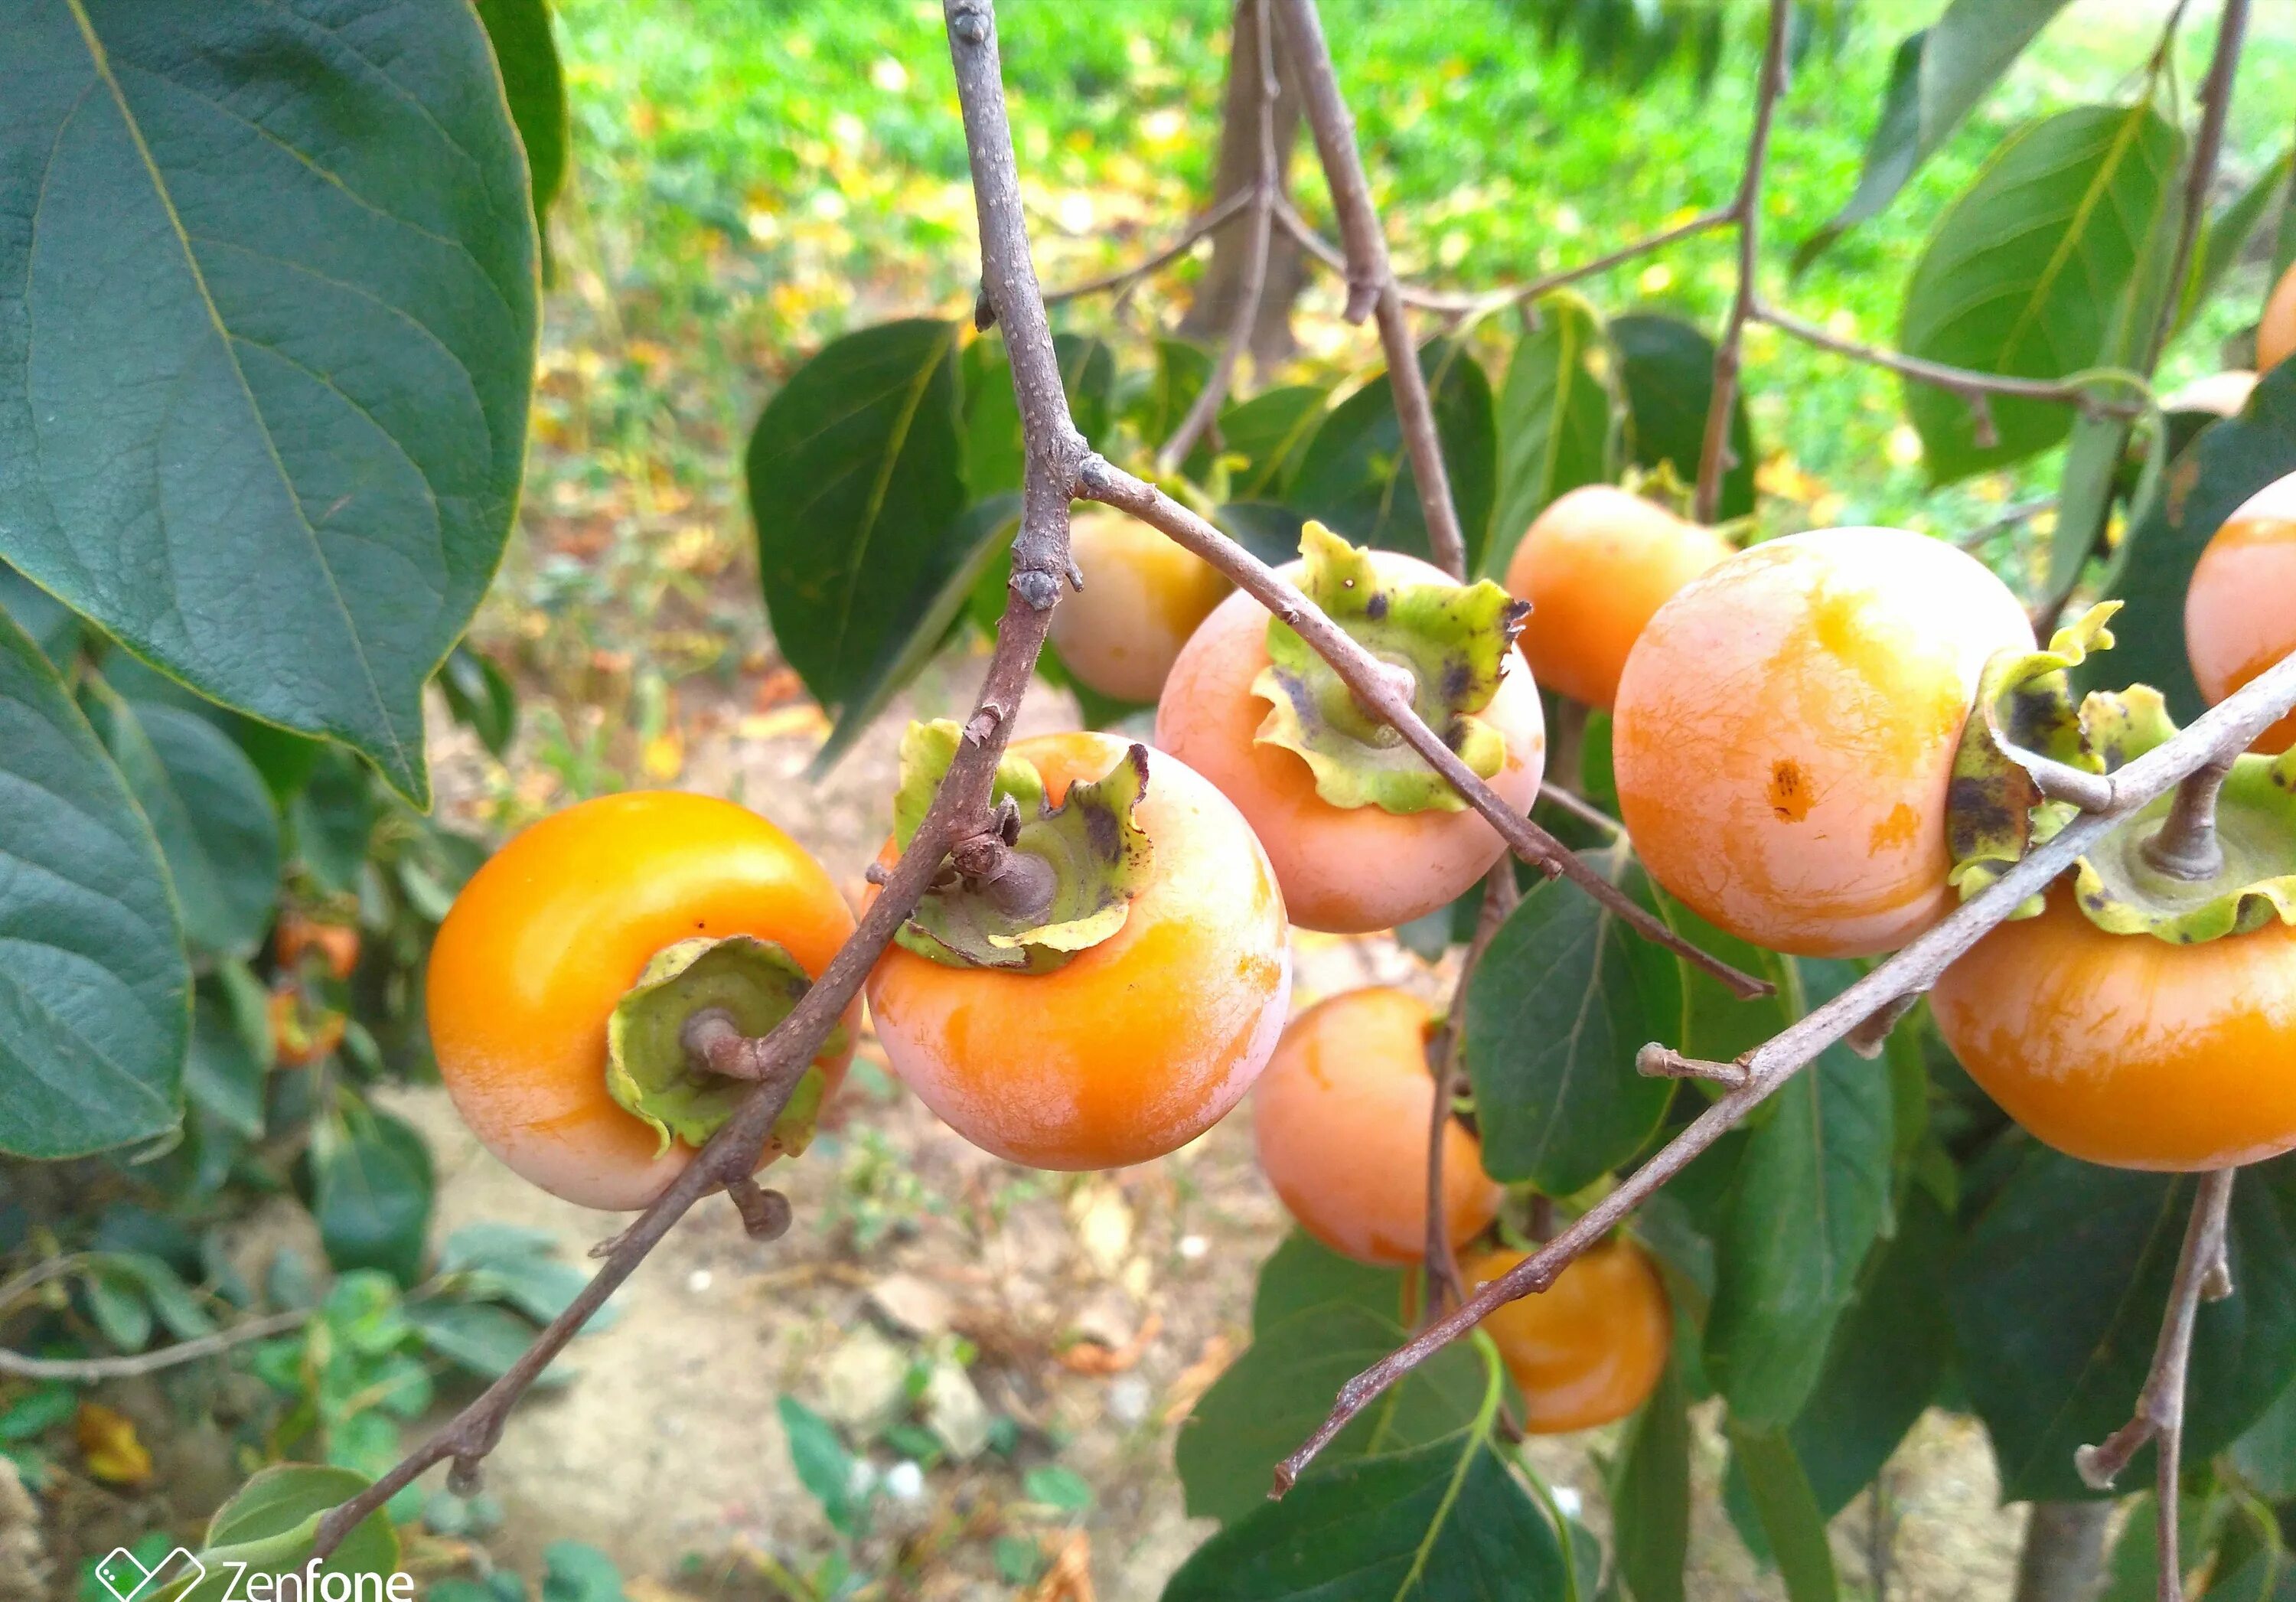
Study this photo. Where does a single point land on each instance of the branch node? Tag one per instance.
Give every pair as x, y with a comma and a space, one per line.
1867, 1039
1663, 1062
1982, 430
766, 1214
1041, 590
968, 21
984, 310
467, 1476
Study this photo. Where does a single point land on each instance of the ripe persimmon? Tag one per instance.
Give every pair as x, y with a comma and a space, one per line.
543, 943
1282, 740
1591, 1346
2240, 611
1139, 1041
2128, 1049
1787, 730
1595, 565
1143, 596
2275, 331
1340, 1121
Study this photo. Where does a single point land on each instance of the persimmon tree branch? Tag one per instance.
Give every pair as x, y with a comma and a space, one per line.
1971, 384
85, 1370
1123, 279
2228, 727
2208, 144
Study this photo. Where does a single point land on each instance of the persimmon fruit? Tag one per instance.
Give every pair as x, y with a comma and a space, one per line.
2240, 611
1589, 1348
2275, 331
1594, 566
544, 941
1339, 1117
1134, 1046
1786, 729
1143, 595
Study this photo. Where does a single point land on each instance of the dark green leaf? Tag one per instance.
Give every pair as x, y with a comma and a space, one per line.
486, 1246
2025, 272
1281, 1388
2060, 1286
94, 994
222, 1073
38, 1411
1355, 474
528, 56
267, 1524
285, 467
1269, 531
371, 1192
1666, 370
1650, 1495
1303, 1273
993, 450
1564, 996
479, 695
116, 1301
1717, 1024
1182, 368
479, 1336
1789, 1514
1555, 419
332, 819
54, 626
1269, 431
853, 477
2265, 1453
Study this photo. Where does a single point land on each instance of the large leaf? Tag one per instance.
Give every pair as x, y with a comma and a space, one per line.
994, 449
853, 473
1269, 431
1303, 1273
1355, 474
2025, 272
1936, 80
2057, 1297
372, 1188
1650, 1495
267, 314
1563, 998
1717, 1024
54, 626
1790, 1521
1278, 1393
1556, 418
265, 1529
528, 56
2227, 234
1811, 1195
95, 991
1666, 369
224, 1071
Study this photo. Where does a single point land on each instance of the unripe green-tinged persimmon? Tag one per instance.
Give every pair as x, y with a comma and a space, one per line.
2275, 331
1787, 730
1594, 566
1281, 738
1143, 596
1340, 1121
2240, 612
1133, 1045
546, 939
1589, 1348
2128, 1050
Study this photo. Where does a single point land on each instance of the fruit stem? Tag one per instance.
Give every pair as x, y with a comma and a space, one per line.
1020, 884
715, 1044
2185, 846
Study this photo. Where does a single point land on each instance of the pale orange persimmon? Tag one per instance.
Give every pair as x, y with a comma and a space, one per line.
2127, 1049
2240, 611
1143, 596
1786, 729
1595, 565
2275, 331
546, 937
1340, 1121
1345, 870
1136, 1046
1591, 1346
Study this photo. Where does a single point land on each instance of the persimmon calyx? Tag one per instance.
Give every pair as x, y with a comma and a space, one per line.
1445, 646
649, 1071
1044, 882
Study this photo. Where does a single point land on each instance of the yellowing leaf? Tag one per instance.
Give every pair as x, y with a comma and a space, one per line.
108, 1438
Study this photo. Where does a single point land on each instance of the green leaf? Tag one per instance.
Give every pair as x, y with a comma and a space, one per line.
1938, 77
1355, 474
1278, 1393
54, 627
2229, 232
1057, 1487
2025, 272
481, 1337
212, 813
823, 1466
1268, 531
479, 695
1787, 1511
1563, 998
283, 465
94, 994
332, 819
1182, 368
1269, 431
115, 1301
1812, 1193
2265, 1453
1303, 1273
2060, 1287
38, 1411
993, 450
1555, 419
372, 1189
269, 1524
853, 478
1650, 1495
1666, 371
528, 57
573, 1571
1717, 1024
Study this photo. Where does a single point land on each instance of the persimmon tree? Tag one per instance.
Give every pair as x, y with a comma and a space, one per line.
268, 315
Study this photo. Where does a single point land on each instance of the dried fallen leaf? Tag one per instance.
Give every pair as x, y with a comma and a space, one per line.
1197, 1378
108, 1438
1069, 1577
1089, 1357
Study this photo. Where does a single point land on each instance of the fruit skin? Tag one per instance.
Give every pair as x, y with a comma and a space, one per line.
2240, 612
1591, 1346
1786, 735
2223, 393
1594, 566
544, 939
1340, 1121
2128, 1050
2275, 331
1347, 870
1143, 596
1139, 1043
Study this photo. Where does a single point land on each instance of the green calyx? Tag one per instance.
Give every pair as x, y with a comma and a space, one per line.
1050, 881
652, 1076
2026, 710
1446, 643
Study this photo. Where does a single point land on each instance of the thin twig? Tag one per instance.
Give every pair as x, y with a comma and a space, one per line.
1746, 210
1581, 809
2230, 726
2208, 144
85, 1370
1124, 278
1444, 1286
1967, 383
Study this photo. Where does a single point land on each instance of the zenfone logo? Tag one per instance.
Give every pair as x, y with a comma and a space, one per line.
124, 1575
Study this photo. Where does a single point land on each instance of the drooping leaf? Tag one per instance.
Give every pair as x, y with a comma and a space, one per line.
372, 1188
1556, 418
1355, 474
264, 386
95, 992
1563, 998
527, 55
1666, 371
1183, 367
1650, 1495
2025, 272
1790, 1521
